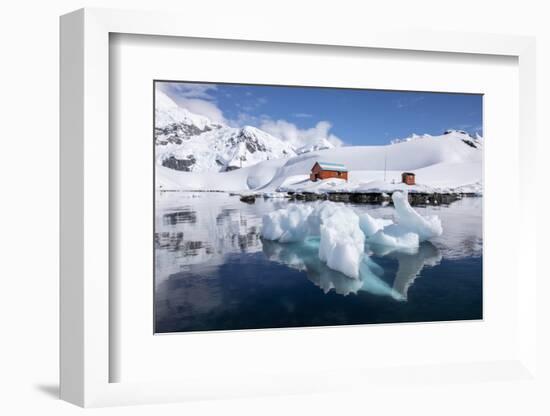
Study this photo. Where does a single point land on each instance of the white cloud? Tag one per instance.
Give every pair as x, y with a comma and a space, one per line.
195, 98
188, 90
297, 137
409, 101
204, 108
198, 99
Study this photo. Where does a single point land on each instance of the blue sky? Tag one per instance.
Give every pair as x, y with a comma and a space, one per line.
345, 116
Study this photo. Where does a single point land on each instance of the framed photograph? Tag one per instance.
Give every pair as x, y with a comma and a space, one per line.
288, 206
274, 214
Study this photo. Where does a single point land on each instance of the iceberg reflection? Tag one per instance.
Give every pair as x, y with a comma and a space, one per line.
305, 257
411, 264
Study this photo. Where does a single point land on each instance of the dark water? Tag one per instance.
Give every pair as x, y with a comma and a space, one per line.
214, 272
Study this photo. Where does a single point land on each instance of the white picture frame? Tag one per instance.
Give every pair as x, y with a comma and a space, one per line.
85, 206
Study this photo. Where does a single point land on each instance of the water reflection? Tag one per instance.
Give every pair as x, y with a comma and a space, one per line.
213, 270
207, 229
410, 264
185, 215
305, 257
204, 230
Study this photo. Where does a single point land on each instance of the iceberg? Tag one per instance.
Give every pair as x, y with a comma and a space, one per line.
342, 243
287, 225
343, 233
407, 233
396, 237
370, 225
426, 227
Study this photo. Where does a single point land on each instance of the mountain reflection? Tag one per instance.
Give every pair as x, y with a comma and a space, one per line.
202, 233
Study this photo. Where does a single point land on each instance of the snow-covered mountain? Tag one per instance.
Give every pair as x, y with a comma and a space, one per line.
192, 143
451, 161
473, 141
319, 144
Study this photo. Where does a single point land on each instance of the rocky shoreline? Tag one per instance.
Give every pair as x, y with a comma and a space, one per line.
415, 198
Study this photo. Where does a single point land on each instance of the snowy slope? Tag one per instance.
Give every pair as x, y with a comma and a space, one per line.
188, 142
452, 161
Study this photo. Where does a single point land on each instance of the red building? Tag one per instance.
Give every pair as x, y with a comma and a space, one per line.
327, 170
408, 178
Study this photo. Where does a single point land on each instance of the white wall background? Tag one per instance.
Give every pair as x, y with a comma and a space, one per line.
29, 56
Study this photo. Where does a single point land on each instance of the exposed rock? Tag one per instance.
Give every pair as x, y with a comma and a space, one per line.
179, 164
248, 199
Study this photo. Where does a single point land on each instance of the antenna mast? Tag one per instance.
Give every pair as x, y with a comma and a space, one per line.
385, 161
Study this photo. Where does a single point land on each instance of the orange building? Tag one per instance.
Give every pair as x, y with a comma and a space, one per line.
326, 170
408, 178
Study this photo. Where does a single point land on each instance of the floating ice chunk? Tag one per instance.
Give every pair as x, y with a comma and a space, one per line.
321, 213
286, 225
342, 233
406, 235
339, 253
298, 221
271, 226
426, 227
396, 237
342, 242
370, 225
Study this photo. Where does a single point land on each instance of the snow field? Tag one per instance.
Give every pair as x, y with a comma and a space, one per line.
441, 164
